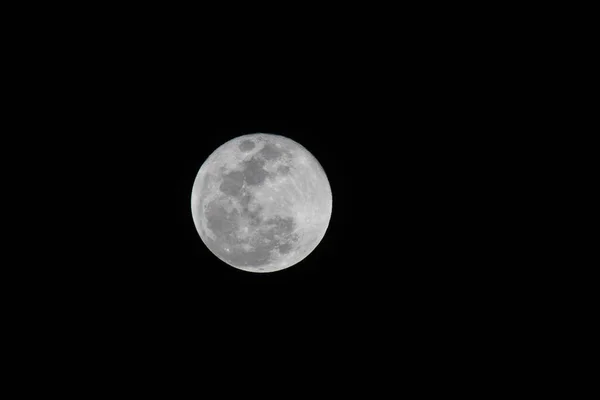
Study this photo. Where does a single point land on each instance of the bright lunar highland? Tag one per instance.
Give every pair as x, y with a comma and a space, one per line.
261, 202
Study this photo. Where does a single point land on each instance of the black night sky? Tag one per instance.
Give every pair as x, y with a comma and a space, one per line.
408, 113
403, 141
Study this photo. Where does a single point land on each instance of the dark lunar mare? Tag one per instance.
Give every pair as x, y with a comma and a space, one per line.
245, 198
246, 145
219, 221
232, 183
254, 173
270, 152
224, 224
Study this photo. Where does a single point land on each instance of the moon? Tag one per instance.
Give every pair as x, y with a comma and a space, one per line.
261, 202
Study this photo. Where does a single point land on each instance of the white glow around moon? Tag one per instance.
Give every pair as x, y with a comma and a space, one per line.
261, 202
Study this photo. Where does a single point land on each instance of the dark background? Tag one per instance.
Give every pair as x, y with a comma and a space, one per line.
405, 119
408, 123
402, 132
400, 146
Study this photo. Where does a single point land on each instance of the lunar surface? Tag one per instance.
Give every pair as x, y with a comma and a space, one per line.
261, 202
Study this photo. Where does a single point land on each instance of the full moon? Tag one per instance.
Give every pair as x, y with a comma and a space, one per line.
261, 202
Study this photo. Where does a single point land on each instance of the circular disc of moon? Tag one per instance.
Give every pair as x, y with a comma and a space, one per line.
261, 202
